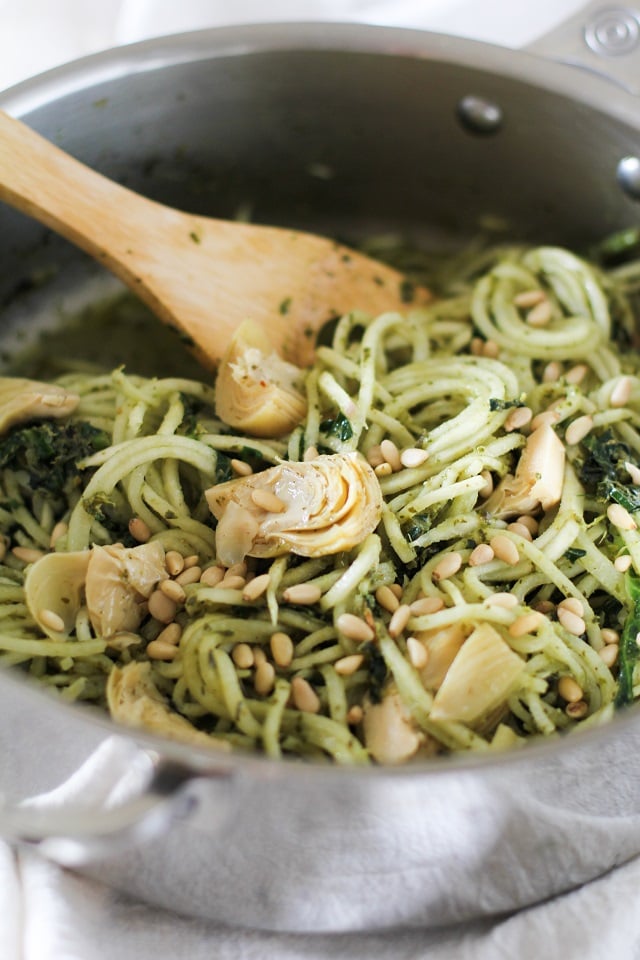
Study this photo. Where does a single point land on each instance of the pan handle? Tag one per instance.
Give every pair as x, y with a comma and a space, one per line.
601, 38
75, 836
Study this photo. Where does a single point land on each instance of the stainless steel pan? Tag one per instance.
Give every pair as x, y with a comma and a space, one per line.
347, 130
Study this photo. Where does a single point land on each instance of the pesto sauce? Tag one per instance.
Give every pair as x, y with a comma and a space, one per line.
115, 332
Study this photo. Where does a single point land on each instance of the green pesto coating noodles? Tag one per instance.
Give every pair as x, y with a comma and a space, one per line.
443, 379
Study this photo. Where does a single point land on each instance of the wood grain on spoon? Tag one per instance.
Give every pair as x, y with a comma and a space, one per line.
202, 275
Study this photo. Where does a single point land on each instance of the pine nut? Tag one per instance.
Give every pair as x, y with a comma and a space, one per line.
354, 627
576, 374
426, 605
52, 620
139, 530
170, 634
505, 549
491, 349
259, 656
387, 599
573, 604
399, 620
374, 456
161, 607
543, 606
610, 636
354, 716
633, 472
609, 654
552, 372
476, 346
487, 489
212, 576
540, 315
192, 560
391, 454
345, 666
190, 575
413, 457
578, 430
304, 696
448, 566
157, 650
383, 470
616, 513
576, 710
233, 583
27, 554
483, 553
174, 562
311, 453
527, 623
529, 522
505, 600
623, 563
173, 590
519, 417
281, 648
520, 529
397, 589
569, 690
529, 298
264, 678
621, 393
256, 587
547, 417
571, 622
417, 653
242, 656
268, 501
240, 468
304, 593
59, 530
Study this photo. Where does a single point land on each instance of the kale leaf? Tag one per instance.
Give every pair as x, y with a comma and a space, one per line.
338, 427
49, 452
629, 649
603, 471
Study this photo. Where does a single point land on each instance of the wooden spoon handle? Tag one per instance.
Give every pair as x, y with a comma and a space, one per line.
44, 182
201, 275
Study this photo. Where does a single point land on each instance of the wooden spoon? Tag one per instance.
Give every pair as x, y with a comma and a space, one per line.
204, 276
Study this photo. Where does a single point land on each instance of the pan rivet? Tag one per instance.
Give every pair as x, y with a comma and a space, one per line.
629, 176
478, 115
613, 33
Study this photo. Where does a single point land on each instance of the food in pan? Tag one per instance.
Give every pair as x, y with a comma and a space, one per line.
426, 543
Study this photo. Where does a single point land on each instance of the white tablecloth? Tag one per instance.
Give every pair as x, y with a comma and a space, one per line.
51, 914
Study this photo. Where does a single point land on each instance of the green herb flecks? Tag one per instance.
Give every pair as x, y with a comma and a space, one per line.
497, 404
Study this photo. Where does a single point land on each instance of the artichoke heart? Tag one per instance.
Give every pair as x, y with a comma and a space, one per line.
114, 582
23, 400
483, 674
135, 701
55, 583
311, 508
256, 390
119, 581
538, 479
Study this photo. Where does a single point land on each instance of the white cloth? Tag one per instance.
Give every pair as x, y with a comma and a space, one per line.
53, 914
